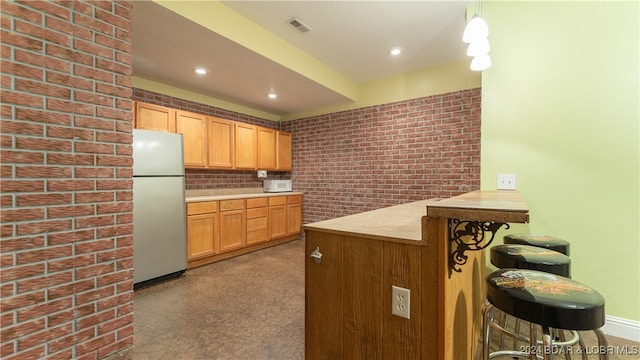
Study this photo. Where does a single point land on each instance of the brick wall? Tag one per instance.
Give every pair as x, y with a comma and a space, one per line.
66, 237
205, 178
364, 159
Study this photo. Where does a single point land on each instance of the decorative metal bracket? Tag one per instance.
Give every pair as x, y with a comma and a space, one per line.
466, 235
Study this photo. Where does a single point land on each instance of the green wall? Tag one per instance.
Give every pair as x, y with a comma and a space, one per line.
560, 108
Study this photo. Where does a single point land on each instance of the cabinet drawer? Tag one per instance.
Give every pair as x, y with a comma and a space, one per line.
226, 205
257, 236
257, 212
294, 199
257, 224
257, 202
204, 207
277, 200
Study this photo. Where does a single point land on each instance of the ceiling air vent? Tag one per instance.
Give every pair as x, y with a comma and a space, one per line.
299, 25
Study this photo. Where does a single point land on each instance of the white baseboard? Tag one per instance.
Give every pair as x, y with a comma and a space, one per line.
622, 328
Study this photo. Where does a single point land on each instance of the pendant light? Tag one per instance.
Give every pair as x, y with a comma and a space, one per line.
476, 34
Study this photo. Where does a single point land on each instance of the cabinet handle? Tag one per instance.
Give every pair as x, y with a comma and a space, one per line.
316, 255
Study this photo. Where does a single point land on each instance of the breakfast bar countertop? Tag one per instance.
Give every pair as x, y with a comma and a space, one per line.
394, 223
404, 223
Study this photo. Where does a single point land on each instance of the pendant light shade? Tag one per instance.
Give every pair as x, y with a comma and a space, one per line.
475, 29
480, 62
478, 47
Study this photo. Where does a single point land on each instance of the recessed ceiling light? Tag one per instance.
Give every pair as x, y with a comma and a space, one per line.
200, 71
272, 95
396, 51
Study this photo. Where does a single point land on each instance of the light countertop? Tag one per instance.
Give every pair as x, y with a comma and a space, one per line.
231, 194
393, 223
404, 223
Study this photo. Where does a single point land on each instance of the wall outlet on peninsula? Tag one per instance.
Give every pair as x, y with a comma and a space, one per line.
506, 182
400, 301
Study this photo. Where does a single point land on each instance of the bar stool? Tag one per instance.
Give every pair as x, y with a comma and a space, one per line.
542, 241
533, 258
545, 301
530, 257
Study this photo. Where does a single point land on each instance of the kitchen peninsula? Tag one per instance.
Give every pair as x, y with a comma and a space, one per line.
222, 223
433, 248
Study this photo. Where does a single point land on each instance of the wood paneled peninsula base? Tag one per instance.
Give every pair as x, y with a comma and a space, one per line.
434, 248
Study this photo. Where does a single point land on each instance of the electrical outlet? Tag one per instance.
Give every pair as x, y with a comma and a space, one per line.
506, 181
400, 301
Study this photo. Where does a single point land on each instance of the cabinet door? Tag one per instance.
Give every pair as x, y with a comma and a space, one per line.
245, 154
278, 221
154, 117
220, 143
294, 219
192, 127
202, 236
266, 148
233, 229
283, 151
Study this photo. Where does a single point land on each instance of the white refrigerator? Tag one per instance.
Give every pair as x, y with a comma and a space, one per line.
159, 215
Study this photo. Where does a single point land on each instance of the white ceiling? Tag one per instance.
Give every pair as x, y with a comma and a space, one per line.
351, 37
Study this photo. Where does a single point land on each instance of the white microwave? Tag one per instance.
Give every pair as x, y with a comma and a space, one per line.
277, 185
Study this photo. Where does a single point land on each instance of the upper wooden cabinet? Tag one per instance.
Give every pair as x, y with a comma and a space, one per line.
245, 152
266, 148
283, 151
154, 117
192, 126
220, 143
212, 142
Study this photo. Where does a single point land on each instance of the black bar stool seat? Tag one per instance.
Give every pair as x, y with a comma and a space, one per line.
546, 299
550, 303
542, 241
532, 258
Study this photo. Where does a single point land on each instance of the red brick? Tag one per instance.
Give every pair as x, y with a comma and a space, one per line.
44, 199
21, 41
103, 160
43, 61
94, 172
93, 295
95, 319
112, 231
70, 211
94, 246
43, 117
17, 98
95, 197
43, 172
22, 300
43, 337
68, 185
69, 159
65, 238
14, 215
43, 227
34, 143
17, 244
22, 186
43, 308
67, 290
41, 88
41, 255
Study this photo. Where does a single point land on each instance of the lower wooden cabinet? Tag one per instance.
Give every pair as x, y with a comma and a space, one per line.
202, 229
221, 229
294, 214
233, 227
277, 217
